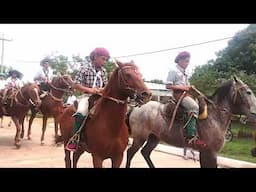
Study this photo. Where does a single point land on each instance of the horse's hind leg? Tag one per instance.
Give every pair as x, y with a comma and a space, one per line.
31, 119
136, 145
43, 129
76, 155
208, 159
148, 148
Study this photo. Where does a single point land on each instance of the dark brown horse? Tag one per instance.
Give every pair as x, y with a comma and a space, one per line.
105, 131
18, 103
52, 103
151, 123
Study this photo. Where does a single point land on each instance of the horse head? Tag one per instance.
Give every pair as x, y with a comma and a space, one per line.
30, 93
130, 82
62, 83
243, 99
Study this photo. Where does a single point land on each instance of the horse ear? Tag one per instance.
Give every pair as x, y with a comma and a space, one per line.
119, 64
235, 78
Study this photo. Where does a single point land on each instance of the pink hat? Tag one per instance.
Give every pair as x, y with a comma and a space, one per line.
182, 55
100, 51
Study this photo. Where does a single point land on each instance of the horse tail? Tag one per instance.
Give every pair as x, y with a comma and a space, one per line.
127, 120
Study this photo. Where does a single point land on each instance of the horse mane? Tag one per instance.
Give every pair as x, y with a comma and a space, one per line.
222, 91
108, 88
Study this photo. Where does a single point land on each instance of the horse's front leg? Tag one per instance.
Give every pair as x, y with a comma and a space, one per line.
18, 130
117, 160
43, 129
208, 159
31, 119
55, 127
22, 127
76, 155
97, 161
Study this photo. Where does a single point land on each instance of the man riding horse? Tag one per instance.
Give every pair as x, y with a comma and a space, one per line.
177, 82
44, 75
12, 82
91, 77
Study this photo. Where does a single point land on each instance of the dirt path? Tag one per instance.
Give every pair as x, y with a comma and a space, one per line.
33, 155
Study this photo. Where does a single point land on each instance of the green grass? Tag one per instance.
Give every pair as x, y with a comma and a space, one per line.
240, 148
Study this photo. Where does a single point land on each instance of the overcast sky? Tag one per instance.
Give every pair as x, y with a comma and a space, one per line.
32, 42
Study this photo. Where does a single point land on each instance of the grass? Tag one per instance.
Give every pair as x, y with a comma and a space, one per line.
240, 148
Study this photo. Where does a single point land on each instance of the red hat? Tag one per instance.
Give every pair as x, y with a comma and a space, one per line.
100, 51
182, 55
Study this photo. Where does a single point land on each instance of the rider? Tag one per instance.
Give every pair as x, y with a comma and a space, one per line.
13, 81
91, 78
177, 81
44, 75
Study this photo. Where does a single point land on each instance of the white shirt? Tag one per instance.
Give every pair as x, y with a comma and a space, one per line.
177, 76
16, 83
41, 74
2, 84
71, 99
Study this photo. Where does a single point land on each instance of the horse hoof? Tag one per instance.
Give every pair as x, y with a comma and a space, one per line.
21, 135
29, 138
42, 143
17, 145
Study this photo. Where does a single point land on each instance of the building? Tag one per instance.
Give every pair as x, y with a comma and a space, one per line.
159, 92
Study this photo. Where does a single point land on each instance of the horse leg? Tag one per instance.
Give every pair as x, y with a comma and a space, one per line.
117, 160
55, 127
31, 119
97, 161
18, 130
76, 155
22, 128
43, 129
67, 158
136, 145
2, 122
208, 159
148, 148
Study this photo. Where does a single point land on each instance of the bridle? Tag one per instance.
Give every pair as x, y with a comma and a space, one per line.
28, 101
61, 89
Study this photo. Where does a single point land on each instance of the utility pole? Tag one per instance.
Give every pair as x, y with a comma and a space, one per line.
2, 56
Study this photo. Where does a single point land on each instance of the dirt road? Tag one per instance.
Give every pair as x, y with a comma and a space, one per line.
33, 155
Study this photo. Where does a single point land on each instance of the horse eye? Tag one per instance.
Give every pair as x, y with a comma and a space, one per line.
249, 92
128, 76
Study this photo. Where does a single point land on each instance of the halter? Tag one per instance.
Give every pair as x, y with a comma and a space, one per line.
121, 77
61, 89
237, 91
29, 101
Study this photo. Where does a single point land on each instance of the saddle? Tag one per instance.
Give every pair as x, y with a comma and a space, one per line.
170, 107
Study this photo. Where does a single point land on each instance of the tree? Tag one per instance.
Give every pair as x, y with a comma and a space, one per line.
240, 54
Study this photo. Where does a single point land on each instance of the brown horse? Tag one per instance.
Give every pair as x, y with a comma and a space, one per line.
105, 131
151, 123
18, 104
52, 104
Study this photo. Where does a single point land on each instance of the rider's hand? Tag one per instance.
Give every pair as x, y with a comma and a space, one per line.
94, 90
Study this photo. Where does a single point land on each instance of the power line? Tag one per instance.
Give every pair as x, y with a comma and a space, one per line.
162, 50
152, 52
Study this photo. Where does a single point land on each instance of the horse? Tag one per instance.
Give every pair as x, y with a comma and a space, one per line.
105, 130
150, 123
52, 104
18, 104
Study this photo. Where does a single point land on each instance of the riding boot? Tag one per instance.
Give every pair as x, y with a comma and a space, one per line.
191, 137
73, 144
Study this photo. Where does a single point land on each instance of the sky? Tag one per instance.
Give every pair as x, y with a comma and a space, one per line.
32, 42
